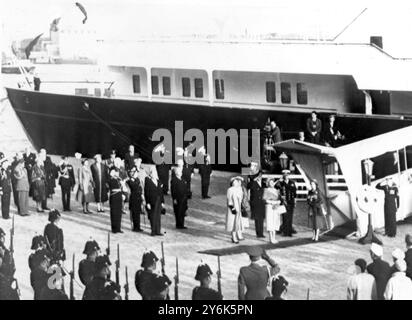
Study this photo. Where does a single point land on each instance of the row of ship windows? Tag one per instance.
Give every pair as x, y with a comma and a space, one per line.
285, 88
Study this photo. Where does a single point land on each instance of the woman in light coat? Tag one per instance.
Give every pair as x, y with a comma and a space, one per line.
272, 209
234, 221
85, 193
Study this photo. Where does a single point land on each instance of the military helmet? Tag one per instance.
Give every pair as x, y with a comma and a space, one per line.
203, 271
37, 241
149, 257
91, 246
54, 214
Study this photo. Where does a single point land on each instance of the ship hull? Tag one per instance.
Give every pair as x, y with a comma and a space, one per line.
65, 124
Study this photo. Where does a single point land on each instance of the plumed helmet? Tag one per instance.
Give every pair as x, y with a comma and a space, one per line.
203, 271
37, 241
148, 258
54, 214
91, 246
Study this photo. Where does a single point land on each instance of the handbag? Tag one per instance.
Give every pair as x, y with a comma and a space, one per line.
281, 209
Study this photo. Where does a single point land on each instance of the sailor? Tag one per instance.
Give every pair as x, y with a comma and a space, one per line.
163, 170
391, 205
129, 158
66, 182
136, 199
254, 278
149, 284
38, 245
379, 268
204, 292
115, 201
153, 193
314, 128
96, 289
257, 204
54, 238
205, 171
288, 194
5, 188
179, 196
87, 267
39, 276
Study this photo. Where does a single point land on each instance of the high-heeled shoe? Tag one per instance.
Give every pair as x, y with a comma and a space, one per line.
234, 241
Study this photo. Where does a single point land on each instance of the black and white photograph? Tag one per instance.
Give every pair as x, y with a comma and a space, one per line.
206, 150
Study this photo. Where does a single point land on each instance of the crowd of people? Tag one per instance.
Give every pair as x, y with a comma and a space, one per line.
379, 280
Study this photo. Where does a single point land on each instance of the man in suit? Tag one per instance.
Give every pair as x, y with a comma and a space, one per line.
205, 171
408, 255
257, 204
163, 171
129, 158
380, 269
153, 193
179, 196
253, 279
66, 181
100, 179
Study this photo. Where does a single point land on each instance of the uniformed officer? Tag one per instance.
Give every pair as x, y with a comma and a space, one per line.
179, 196
287, 190
163, 170
54, 237
5, 188
87, 267
147, 281
6, 272
66, 181
8, 267
39, 276
98, 288
38, 245
203, 292
136, 199
391, 205
153, 194
205, 171
116, 201
253, 279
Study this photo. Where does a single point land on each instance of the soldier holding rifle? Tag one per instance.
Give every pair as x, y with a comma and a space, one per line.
204, 292
7, 269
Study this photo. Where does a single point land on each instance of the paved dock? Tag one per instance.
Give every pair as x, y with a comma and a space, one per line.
320, 267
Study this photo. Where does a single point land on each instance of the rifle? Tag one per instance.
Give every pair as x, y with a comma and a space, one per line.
12, 241
177, 280
118, 266
162, 261
126, 286
72, 280
108, 244
307, 294
12, 265
219, 276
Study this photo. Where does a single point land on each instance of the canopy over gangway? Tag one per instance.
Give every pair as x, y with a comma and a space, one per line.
313, 160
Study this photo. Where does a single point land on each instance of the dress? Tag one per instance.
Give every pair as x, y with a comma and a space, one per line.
315, 207
234, 222
99, 174
38, 178
272, 212
85, 191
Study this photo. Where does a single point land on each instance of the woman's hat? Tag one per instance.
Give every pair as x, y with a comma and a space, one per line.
236, 178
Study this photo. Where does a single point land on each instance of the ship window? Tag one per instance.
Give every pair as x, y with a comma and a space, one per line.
81, 91
285, 91
270, 91
155, 85
199, 88
97, 92
186, 87
136, 83
302, 93
166, 86
220, 88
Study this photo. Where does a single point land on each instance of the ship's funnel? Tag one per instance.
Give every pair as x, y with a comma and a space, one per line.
377, 41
